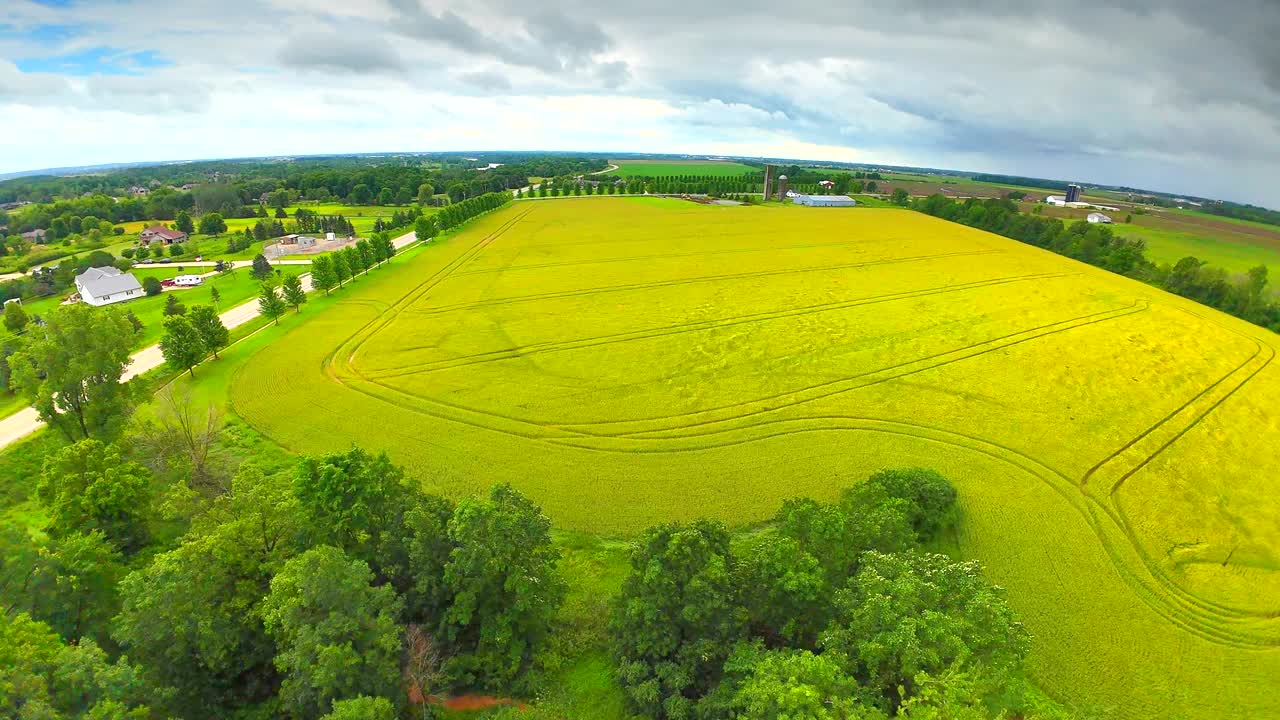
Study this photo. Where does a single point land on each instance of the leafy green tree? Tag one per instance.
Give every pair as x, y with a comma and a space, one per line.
784, 591
930, 498
424, 228
386, 247
192, 618
182, 345
365, 250
356, 501
386, 197
360, 194
341, 270
676, 619
427, 595
506, 590
182, 222
362, 708
294, 295
899, 197
66, 582
15, 317
88, 486
355, 261
173, 306
323, 276
261, 268
907, 614
270, 304
336, 633
41, 678
837, 534
784, 685
213, 334
425, 193
212, 224
151, 285
70, 368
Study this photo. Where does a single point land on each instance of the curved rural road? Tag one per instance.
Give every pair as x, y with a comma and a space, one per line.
27, 420
517, 191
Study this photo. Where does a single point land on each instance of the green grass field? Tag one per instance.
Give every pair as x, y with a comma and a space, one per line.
234, 289
655, 168
1170, 246
628, 361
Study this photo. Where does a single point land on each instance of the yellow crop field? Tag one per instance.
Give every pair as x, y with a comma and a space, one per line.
630, 361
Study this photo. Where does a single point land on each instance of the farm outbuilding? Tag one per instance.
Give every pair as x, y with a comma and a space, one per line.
1096, 217
825, 200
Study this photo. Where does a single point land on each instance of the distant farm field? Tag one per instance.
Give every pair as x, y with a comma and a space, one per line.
630, 361
656, 168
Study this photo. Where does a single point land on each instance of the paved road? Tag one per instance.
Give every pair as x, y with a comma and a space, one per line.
517, 191
26, 421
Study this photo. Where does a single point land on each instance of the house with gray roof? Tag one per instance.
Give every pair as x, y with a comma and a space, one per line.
106, 285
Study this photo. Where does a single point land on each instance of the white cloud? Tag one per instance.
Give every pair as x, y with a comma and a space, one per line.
1173, 95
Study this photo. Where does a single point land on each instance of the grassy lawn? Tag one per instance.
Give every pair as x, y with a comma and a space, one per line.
1170, 246
235, 288
656, 168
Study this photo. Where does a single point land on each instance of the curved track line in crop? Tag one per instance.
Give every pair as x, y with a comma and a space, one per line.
824, 389
662, 256
1206, 622
1166, 436
689, 281
596, 429
520, 351
1227, 630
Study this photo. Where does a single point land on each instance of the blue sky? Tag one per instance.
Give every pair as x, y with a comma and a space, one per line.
1177, 95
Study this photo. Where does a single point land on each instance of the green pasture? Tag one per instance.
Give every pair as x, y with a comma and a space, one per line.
656, 168
1170, 246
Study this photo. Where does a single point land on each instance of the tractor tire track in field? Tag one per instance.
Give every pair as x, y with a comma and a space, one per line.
520, 351
663, 256
353, 341
598, 429
1163, 434
859, 380
1192, 614
1235, 631
689, 281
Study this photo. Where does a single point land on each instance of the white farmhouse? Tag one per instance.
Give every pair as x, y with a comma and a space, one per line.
106, 285
1097, 217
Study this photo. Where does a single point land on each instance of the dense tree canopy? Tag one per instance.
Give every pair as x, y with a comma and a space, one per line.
89, 487
336, 632
70, 368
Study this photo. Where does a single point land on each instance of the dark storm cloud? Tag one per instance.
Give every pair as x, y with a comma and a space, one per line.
551, 41
485, 80
337, 51
1176, 94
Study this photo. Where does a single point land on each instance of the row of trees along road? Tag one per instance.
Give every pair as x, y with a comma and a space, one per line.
334, 269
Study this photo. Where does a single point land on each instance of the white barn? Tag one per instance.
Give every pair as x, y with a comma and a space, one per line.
825, 200
107, 285
1058, 200
1097, 217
